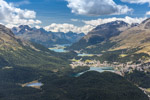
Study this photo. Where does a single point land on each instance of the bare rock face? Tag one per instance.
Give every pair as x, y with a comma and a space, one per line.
145, 20
5, 30
147, 26
8, 41
146, 23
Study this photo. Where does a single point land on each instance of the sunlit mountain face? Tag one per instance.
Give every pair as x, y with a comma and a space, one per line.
74, 50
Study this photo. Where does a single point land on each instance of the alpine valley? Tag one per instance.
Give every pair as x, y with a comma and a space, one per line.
24, 63
74, 50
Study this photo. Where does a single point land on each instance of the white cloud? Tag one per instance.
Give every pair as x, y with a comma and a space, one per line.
148, 13
127, 19
37, 26
74, 20
68, 27
25, 2
89, 25
137, 1
12, 16
97, 7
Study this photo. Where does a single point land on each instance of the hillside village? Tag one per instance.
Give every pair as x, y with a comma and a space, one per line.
119, 68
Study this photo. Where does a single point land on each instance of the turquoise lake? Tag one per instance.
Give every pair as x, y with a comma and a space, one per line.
34, 84
98, 69
59, 48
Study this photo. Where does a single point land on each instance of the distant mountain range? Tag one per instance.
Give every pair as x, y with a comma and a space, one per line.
45, 38
23, 62
119, 38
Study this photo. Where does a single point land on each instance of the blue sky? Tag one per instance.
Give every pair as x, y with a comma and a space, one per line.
57, 11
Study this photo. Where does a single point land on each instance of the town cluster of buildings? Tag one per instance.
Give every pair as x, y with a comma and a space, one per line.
119, 68
89, 63
129, 68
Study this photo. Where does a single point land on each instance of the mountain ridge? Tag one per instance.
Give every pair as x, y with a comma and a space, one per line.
17, 52
101, 34
136, 37
20, 66
44, 37
133, 42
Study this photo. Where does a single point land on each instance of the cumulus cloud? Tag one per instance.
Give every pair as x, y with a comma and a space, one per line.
137, 1
97, 7
37, 27
148, 13
12, 16
67, 28
127, 19
89, 24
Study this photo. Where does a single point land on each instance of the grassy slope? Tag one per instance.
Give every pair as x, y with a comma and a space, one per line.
133, 42
16, 52
137, 37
